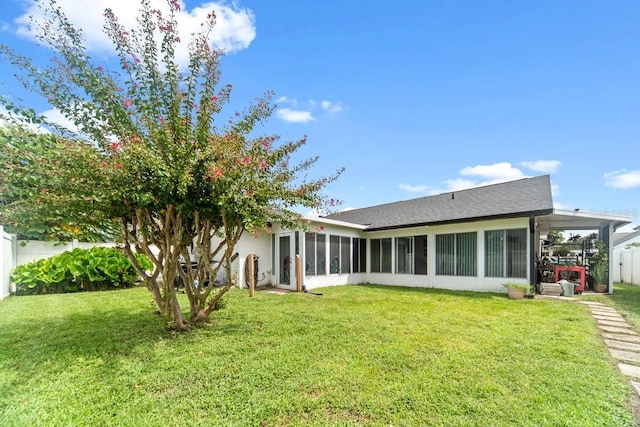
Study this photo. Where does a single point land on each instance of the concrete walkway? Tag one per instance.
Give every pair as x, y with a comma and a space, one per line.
621, 339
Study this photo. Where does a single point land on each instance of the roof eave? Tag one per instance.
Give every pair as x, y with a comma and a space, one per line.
463, 220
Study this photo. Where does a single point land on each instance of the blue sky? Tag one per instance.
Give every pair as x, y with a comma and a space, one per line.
420, 97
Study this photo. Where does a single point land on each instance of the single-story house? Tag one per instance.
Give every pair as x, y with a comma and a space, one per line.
475, 239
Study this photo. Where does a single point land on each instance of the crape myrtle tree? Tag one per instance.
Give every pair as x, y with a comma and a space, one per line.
35, 201
149, 157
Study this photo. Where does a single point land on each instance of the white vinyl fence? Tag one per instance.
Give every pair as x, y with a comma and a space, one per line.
7, 257
626, 266
33, 250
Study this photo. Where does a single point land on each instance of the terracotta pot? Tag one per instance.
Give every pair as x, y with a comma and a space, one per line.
599, 288
515, 293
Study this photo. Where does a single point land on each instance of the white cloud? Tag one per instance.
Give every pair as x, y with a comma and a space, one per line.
9, 120
414, 188
496, 172
235, 27
304, 110
55, 116
544, 166
622, 179
484, 175
330, 107
294, 116
287, 100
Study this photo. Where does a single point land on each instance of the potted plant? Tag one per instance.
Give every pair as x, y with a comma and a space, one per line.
598, 268
516, 290
599, 275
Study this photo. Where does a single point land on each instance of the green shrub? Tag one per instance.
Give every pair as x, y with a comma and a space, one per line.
94, 269
522, 286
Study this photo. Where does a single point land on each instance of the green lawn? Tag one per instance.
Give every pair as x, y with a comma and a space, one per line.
358, 355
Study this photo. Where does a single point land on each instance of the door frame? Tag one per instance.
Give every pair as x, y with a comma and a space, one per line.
279, 262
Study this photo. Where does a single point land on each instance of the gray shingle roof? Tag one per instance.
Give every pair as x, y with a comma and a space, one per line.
508, 199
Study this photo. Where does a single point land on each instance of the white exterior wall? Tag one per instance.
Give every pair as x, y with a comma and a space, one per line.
431, 280
333, 279
259, 245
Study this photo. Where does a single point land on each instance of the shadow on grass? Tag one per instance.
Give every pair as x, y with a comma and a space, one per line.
434, 291
107, 332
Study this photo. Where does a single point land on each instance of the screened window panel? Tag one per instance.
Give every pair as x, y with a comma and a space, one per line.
494, 253
321, 253
345, 254
310, 254
404, 255
334, 254
516, 243
314, 252
385, 261
466, 254
376, 247
359, 255
445, 254
420, 255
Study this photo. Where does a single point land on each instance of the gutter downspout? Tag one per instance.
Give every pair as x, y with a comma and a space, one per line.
532, 250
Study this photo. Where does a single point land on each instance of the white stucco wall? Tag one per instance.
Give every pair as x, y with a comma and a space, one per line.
476, 283
431, 280
259, 245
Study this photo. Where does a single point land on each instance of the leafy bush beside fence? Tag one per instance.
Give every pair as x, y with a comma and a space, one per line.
94, 269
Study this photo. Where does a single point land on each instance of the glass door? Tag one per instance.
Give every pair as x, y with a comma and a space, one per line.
286, 264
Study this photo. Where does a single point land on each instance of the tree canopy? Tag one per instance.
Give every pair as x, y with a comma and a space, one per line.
149, 159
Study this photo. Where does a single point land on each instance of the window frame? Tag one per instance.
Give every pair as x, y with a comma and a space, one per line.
318, 255
384, 257
412, 258
512, 251
457, 253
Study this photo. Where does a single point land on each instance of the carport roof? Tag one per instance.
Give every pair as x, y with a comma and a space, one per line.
579, 220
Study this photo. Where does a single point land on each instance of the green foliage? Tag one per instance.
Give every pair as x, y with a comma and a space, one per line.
92, 269
599, 273
150, 154
517, 286
561, 252
46, 187
556, 236
599, 263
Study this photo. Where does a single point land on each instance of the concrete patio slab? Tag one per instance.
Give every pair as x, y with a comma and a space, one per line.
629, 356
618, 330
622, 337
629, 370
623, 345
617, 324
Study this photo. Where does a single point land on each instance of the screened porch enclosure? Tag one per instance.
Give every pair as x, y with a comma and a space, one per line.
494, 253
